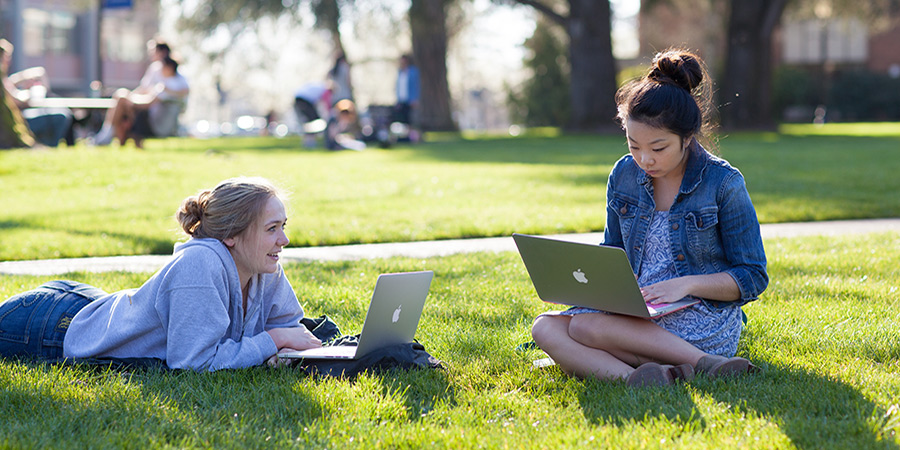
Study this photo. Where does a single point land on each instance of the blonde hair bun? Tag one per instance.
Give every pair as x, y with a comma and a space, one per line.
226, 210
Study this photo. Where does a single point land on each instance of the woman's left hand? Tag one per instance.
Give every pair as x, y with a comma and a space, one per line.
668, 291
276, 362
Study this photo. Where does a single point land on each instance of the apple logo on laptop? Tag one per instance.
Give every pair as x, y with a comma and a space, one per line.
579, 276
396, 314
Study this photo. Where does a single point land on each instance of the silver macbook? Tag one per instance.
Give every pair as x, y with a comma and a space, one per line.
594, 276
392, 318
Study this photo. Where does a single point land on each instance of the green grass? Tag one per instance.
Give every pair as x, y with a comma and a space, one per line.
83, 201
829, 353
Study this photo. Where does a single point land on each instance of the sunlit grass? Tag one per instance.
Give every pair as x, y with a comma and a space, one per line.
118, 201
865, 129
824, 333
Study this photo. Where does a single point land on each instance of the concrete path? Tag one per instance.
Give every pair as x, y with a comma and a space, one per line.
424, 249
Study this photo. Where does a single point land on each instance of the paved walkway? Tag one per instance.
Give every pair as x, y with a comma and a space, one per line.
424, 249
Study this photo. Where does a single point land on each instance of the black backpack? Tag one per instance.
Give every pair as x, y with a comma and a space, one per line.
406, 356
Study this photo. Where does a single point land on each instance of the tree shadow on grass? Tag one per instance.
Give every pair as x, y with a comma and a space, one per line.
423, 390
223, 146
154, 246
813, 411
605, 402
87, 407
570, 150
147, 408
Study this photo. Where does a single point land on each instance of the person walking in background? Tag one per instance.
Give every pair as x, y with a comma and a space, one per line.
339, 80
222, 301
686, 222
407, 90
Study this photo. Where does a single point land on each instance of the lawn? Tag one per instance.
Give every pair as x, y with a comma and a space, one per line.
830, 378
85, 201
830, 355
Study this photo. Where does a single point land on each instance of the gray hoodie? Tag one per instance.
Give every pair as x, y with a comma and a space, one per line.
189, 314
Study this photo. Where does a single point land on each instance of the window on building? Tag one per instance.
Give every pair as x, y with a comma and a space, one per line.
123, 41
816, 41
61, 33
48, 32
34, 22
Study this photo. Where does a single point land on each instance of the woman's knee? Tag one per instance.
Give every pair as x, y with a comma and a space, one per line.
545, 328
591, 327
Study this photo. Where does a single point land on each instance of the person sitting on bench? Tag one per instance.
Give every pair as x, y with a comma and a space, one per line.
139, 116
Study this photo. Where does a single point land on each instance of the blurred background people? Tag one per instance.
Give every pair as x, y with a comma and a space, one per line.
46, 125
158, 50
344, 132
139, 116
312, 103
339, 79
407, 90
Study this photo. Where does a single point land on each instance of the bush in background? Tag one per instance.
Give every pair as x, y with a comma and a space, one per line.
543, 99
853, 95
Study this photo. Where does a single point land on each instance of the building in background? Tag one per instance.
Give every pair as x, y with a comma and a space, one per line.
823, 61
79, 42
799, 41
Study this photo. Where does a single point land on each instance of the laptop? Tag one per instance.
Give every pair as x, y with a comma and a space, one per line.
392, 318
594, 276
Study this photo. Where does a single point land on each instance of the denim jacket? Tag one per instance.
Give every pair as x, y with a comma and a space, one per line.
712, 221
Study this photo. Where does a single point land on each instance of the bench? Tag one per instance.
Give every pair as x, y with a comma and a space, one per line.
72, 103
86, 104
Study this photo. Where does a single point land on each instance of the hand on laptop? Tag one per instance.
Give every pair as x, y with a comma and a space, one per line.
290, 340
669, 291
294, 338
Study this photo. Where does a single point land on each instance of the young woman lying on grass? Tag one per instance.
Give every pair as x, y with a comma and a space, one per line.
686, 222
221, 302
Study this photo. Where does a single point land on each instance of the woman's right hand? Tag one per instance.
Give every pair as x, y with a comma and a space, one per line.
298, 338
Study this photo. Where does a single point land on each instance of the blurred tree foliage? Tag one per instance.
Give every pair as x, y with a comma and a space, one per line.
592, 67
543, 99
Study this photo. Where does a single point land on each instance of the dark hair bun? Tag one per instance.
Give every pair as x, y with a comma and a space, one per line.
677, 67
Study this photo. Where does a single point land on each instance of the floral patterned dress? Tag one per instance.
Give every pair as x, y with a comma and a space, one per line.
711, 329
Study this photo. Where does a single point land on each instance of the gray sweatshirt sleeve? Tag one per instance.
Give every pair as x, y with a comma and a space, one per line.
283, 310
195, 311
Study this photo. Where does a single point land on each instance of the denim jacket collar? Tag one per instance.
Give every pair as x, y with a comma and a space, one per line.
696, 165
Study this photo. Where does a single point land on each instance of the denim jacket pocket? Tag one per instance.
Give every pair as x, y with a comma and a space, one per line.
702, 234
626, 210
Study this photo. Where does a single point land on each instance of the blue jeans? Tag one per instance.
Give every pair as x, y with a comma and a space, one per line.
48, 125
34, 323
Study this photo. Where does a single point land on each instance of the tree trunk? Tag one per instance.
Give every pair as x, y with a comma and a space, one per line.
328, 17
14, 131
593, 74
427, 20
746, 95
